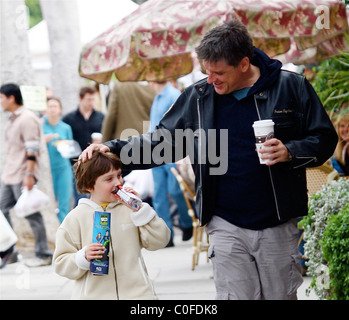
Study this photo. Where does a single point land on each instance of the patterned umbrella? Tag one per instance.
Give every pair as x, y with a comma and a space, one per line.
157, 40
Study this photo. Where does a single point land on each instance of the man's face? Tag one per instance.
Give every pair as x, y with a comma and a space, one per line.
6, 102
88, 101
225, 78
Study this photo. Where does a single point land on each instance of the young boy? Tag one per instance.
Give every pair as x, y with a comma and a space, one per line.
130, 231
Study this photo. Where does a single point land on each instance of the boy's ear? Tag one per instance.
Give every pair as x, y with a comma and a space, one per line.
89, 190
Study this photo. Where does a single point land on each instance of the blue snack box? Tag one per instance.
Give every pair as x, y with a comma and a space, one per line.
101, 234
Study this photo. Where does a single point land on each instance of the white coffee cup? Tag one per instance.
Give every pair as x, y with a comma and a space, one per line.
263, 130
96, 137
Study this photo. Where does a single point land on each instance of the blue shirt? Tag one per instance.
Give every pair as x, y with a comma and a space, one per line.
240, 94
161, 103
65, 133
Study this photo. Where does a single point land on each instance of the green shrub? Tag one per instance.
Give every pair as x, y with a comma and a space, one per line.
335, 249
329, 201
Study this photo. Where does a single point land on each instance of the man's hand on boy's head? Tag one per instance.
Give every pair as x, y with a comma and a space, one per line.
87, 153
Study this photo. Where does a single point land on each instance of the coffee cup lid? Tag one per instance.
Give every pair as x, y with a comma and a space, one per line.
96, 135
263, 123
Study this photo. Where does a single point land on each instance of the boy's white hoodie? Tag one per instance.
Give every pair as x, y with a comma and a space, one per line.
129, 232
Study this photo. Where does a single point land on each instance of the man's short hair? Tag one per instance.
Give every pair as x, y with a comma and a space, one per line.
86, 173
11, 89
230, 42
86, 90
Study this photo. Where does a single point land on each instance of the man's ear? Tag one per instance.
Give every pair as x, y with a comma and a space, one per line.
245, 64
12, 98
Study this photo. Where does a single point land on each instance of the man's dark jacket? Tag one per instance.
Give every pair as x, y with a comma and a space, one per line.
301, 123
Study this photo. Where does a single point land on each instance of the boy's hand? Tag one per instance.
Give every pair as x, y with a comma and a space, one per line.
94, 251
130, 190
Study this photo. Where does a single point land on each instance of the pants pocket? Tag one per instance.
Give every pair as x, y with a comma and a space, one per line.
234, 281
295, 276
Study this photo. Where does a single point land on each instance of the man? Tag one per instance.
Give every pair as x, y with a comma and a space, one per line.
128, 107
84, 121
22, 167
250, 209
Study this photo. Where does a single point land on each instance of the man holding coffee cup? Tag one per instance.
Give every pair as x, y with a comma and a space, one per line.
251, 208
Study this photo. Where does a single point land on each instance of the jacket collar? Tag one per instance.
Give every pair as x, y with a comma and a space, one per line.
95, 206
203, 88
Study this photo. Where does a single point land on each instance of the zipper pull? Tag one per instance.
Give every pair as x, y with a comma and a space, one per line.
256, 105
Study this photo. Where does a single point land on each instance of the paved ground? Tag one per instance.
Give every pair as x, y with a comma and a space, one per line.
170, 268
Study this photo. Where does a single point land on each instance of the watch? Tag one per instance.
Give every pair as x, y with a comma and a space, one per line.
31, 174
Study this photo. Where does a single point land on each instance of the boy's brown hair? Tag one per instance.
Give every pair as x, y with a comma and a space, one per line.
86, 173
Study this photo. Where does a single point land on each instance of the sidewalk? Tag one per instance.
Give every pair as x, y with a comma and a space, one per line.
170, 268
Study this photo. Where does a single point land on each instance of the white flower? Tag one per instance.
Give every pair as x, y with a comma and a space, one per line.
328, 201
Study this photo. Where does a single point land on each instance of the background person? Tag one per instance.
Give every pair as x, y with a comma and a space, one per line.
340, 159
165, 182
128, 107
62, 176
21, 169
84, 121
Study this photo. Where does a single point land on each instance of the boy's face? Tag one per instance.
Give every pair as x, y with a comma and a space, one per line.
105, 185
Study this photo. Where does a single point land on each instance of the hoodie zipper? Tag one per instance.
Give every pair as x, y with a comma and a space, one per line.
270, 175
115, 277
111, 250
